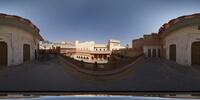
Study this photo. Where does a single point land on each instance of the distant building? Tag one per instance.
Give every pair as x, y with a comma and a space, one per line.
46, 45
178, 41
87, 51
66, 48
19, 40
138, 44
152, 45
91, 52
114, 45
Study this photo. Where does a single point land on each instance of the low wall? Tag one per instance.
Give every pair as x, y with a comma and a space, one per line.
101, 69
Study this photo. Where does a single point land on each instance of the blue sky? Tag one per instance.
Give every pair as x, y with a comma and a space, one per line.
98, 20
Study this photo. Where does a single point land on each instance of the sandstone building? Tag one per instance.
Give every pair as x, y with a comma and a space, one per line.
91, 52
19, 40
65, 47
87, 51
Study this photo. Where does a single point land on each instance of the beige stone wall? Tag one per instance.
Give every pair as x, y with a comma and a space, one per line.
15, 39
152, 39
130, 52
85, 46
183, 38
114, 45
137, 44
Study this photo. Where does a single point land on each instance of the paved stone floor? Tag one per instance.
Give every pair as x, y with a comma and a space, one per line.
54, 75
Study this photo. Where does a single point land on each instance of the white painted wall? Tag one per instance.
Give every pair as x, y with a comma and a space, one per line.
15, 39
85, 46
183, 38
145, 50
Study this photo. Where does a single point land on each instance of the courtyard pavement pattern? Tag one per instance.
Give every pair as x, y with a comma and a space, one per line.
54, 75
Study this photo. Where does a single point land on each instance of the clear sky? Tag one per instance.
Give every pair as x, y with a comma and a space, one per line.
98, 20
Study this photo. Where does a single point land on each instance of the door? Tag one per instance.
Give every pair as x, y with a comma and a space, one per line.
149, 52
3, 54
158, 52
154, 52
195, 53
26, 52
36, 55
172, 52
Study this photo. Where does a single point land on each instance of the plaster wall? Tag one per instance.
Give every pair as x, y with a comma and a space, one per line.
183, 39
145, 50
15, 39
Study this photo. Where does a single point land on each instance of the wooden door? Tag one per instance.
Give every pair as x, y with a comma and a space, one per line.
172, 52
158, 52
154, 52
149, 52
3, 54
26, 52
195, 53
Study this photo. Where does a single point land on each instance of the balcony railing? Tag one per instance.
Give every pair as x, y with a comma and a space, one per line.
93, 52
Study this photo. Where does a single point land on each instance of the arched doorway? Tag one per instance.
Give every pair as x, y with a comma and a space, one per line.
4, 54
26, 52
195, 53
172, 52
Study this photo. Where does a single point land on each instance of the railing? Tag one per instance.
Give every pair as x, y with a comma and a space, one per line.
93, 52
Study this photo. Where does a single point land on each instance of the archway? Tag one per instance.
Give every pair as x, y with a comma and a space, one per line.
172, 52
26, 52
4, 54
195, 53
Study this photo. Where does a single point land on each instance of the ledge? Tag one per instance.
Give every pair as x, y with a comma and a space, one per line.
98, 73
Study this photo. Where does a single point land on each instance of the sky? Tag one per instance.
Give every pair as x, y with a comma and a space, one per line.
98, 20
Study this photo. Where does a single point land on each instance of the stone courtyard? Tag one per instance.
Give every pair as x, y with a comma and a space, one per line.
52, 74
